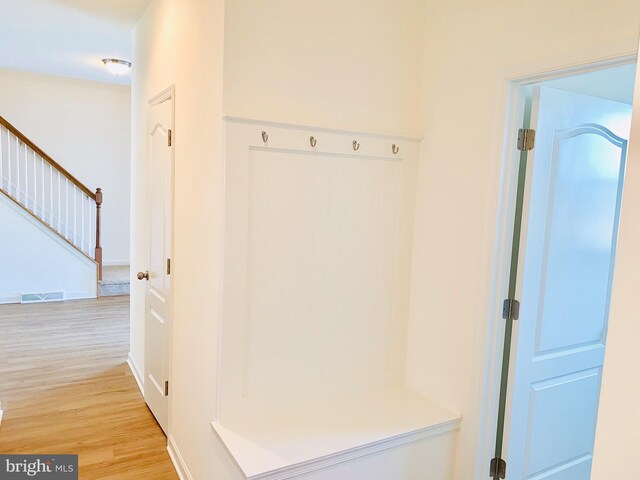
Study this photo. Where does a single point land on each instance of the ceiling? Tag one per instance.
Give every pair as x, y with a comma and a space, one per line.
614, 83
68, 37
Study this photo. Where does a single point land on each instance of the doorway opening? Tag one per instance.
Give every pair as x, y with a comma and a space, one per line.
563, 195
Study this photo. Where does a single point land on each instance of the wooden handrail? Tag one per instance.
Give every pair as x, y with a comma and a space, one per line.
47, 158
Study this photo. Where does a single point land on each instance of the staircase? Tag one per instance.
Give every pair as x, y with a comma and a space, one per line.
50, 194
115, 281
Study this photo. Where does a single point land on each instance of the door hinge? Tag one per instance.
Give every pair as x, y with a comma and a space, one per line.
166, 389
169, 137
168, 266
498, 468
526, 139
510, 309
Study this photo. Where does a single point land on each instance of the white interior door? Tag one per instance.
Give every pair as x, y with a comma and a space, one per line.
572, 207
158, 279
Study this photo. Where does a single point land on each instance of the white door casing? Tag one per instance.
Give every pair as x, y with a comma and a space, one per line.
570, 218
158, 284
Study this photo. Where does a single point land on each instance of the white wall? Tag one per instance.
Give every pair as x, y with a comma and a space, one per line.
35, 260
354, 66
333, 63
351, 65
86, 127
617, 434
180, 42
470, 51
153, 54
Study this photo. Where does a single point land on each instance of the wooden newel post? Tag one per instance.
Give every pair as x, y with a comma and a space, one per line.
98, 256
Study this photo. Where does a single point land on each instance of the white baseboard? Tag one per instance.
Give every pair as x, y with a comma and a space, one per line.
9, 299
136, 372
115, 263
79, 295
178, 461
15, 298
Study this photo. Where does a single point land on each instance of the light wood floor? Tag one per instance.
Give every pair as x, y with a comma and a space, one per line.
65, 388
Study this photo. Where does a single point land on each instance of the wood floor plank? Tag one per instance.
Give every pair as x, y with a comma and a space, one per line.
65, 387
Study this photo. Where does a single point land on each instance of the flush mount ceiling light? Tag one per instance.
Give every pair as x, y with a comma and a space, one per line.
116, 66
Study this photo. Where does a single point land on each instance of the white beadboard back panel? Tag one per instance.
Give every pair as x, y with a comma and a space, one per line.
317, 257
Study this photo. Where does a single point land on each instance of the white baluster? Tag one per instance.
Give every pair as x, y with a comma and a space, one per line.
18, 168
26, 177
75, 215
92, 228
35, 185
9, 186
44, 203
84, 199
88, 225
90, 214
66, 209
2, 158
59, 205
50, 195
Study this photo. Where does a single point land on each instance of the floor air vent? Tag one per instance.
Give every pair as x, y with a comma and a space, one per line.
41, 297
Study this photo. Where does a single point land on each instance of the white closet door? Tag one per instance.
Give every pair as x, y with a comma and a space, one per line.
570, 230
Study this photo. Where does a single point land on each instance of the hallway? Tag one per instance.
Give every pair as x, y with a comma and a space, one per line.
65, 387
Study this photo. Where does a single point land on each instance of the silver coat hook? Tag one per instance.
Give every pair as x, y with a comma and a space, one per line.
265, 136
395, 149
313, 141
356, 145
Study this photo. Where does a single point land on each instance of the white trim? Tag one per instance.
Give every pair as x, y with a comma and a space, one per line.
298, 126
309, 466
177, 460
492, 337
10, 299
79, 295
15, 298
115, 263
499, 284
344, 154
133, 366
5, 299
243, 140
574, 69
167, 94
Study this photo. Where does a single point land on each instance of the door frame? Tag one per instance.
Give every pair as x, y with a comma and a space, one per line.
492, 336
168, 93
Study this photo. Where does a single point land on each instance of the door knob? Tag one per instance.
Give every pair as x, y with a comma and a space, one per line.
143, 275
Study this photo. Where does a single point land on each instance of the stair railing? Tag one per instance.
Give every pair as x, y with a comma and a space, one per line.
40, 185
